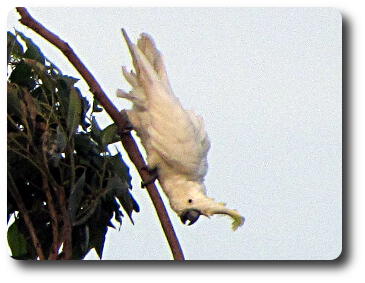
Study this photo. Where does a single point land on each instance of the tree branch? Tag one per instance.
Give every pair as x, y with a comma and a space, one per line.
53, 253
126, 138
67, 225
24, 212
54, 221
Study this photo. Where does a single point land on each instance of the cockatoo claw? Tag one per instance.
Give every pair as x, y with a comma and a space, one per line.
129, 127
153, 175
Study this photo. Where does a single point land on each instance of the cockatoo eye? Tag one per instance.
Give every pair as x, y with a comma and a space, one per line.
191, 214
190, 200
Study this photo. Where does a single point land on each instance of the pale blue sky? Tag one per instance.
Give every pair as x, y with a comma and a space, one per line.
268, 84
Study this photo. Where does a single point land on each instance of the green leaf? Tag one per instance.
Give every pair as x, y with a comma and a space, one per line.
96, 107
13, 46
95, 130
64, 85
85, 146
33, 51
42, 72
80, 242
118, 217
128, 203
22, 75
121, 192
73, 112
63, 95
119, 168
61, 139
109, 135
76, 195
13, 101
118, 185
99, 240
17, 241
69, 80
98, 227
85, 107
36, 65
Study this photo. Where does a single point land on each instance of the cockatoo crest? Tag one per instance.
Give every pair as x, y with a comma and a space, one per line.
175, 139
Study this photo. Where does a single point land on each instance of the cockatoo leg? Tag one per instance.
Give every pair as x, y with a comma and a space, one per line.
153, 175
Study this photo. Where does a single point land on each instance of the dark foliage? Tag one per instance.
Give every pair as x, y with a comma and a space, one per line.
54, 144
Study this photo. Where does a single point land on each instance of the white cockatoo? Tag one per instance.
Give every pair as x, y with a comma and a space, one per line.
175, 139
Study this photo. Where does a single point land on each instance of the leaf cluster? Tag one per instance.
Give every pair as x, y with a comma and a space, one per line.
58, 162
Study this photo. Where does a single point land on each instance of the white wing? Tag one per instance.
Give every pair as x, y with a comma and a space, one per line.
180, 139
176, 134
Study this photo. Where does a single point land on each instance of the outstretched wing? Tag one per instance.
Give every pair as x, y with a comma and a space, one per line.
177, 135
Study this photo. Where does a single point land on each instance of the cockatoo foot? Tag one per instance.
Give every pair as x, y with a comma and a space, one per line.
153, 175
129, 127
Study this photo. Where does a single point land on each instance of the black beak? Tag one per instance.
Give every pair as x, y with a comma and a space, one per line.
192, 215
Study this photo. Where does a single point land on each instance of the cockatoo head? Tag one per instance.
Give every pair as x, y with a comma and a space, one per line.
190, 202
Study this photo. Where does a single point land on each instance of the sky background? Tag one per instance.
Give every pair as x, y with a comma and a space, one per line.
268, 84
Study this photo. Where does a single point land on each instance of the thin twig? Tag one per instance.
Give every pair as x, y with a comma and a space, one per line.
24, 212
126, 138
54, 220
67, 224
49, 199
